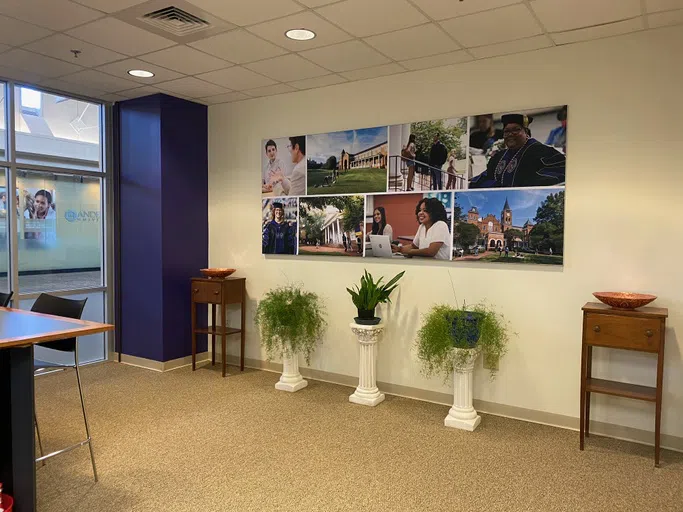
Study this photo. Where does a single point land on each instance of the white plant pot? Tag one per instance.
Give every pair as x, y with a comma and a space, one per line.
462, 415
367, 392
290, 380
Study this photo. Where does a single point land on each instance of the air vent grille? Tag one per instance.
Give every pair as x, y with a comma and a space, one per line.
176, 21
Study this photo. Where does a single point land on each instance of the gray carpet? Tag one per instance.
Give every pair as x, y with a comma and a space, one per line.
192, 441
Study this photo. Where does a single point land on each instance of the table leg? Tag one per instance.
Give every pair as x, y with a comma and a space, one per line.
213, 336
583, 395
194, 335
242, 327
589, 370
658, 402
224, 322
17, 442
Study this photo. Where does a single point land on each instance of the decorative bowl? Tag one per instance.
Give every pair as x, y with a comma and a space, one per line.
624, 300
217, 273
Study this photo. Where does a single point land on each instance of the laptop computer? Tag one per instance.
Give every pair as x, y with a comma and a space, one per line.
381, 246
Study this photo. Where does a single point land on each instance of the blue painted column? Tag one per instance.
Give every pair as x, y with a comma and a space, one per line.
163, 230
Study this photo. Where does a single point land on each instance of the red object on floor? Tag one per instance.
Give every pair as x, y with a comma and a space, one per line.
6, 502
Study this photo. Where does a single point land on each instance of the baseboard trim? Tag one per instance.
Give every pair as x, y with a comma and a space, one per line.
160, 366
598, 428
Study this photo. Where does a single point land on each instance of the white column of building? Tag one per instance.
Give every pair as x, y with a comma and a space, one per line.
339, 238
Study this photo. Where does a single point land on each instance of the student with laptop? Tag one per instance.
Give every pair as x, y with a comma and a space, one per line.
382, 234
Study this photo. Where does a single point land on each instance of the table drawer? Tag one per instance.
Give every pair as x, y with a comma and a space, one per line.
623, 332
205, 292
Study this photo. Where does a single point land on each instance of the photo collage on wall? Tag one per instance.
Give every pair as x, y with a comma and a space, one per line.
488, 188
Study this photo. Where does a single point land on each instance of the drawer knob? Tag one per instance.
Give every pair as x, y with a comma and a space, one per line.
596, 328
196, 290
649, 333
216, 292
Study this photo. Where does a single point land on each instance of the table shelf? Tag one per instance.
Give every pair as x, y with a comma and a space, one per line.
623, 389
217, 330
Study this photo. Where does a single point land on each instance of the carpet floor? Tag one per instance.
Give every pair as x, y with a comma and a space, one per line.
193, 441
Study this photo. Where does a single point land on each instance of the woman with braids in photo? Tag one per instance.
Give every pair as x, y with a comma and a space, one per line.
433, 237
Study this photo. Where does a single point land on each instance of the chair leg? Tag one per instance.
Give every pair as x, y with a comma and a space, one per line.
40, 444
85, 419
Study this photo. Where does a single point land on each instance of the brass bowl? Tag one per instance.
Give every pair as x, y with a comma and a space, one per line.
217, 273
624, 300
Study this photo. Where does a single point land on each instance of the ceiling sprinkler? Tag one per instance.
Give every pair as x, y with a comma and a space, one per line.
76, 53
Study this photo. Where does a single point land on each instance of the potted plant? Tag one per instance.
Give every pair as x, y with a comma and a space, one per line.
369, 295
449, 343
291, 322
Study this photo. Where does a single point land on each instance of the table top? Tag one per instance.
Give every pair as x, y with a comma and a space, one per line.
21, 328
646, 311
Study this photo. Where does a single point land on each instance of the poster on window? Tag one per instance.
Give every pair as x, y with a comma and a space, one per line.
38, 213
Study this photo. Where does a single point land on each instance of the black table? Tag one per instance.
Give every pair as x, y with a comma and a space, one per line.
19, 331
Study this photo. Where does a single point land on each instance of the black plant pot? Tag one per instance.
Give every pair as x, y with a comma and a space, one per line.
466, 327
367, 317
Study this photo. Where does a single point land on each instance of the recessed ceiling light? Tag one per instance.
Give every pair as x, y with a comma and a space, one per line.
140, 73
300, 34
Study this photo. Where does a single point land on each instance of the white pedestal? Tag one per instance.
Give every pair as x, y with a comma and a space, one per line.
367, 393
462, 415
290, 380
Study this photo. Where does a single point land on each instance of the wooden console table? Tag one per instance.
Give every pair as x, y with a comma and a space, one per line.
221, 292
641, 329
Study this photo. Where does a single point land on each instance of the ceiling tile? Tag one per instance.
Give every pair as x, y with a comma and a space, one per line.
192, 87
236, 78
59, 46
109, 5
73, 88
270, 90
374, 72
434, 61
35, 63
121, 68
184, 59
519, 46
321, 81
120, 37
497, 26
138, 92
442, 9
664, 19
4, 47
316, 3
326, 32
52, 14
99, 80
241, 12
663, 5
287, 68
560, 15
345, 56
411, 43
365, 18
611, 29
224, 98
20, 75
18, 33
238, 46
112, 98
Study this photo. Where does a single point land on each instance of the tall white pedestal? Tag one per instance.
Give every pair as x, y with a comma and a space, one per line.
290, 380
367, 393
462, 415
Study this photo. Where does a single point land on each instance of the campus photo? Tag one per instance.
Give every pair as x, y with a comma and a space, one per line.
283, 166
518, 149
509, 226
428, 155
348, 162
331, 226
414, 226
278, 225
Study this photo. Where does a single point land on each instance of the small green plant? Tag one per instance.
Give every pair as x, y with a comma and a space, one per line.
372, 293
290, 319
445, 328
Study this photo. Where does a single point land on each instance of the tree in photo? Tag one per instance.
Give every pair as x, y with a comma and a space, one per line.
466, 235
511, 235
425, 131
331, 163
312, 224
312, 164
352, 208
548, 233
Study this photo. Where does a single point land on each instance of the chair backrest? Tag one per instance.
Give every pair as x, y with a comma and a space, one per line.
59, 306
5, 298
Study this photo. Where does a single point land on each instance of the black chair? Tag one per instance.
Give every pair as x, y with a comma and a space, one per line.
59, 306
5, 298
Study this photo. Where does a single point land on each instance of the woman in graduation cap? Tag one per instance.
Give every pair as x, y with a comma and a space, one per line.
525, 162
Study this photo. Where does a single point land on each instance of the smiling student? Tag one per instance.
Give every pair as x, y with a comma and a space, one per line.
432, 239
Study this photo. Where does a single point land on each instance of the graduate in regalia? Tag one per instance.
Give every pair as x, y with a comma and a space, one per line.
279, 236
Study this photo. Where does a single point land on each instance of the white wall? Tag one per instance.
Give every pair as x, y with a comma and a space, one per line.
623, 216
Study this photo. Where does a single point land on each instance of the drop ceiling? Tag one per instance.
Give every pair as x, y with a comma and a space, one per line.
244, 53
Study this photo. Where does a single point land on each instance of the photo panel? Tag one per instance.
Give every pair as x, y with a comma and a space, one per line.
396, 226
523, 226
428, 155
279, 225
524, 148
348, 162
283, 166
331, 225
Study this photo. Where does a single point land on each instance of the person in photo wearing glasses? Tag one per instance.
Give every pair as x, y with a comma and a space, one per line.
525, 162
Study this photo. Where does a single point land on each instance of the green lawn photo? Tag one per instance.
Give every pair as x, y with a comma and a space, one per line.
353, 181
495, 257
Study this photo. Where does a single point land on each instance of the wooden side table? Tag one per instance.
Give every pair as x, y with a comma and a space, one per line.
221, 292
643, 330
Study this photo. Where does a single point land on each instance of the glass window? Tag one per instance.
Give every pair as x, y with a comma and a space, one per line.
56, 131
3, 131
59, 226
4, 259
